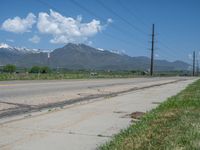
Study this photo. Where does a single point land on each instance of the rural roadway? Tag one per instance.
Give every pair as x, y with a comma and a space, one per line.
76, 114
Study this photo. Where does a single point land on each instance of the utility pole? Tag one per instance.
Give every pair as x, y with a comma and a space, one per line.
152, 51
48, 59
197, 69
193, 64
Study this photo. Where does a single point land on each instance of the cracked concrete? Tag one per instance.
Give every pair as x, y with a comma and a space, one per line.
83, 126
54, 94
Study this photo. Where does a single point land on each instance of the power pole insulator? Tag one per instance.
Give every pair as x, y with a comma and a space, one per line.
152, 52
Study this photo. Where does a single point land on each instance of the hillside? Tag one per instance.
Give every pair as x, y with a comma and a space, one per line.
81, 56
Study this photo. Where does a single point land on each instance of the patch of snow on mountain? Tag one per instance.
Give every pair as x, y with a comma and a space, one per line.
100, 49
22, 50
118, 52
3, 45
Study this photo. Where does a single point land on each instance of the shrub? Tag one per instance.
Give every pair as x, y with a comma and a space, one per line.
9, 68
44, 69
37, 69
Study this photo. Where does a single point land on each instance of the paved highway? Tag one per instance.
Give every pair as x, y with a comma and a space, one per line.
83, 126
30, 88
17, 97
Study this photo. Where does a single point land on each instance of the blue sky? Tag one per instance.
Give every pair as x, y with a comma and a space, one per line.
123, 25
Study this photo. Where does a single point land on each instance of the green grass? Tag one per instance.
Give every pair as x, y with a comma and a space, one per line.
68, 75
173, 125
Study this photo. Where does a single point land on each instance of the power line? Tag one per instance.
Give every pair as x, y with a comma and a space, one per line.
127, 9
105, 20
132, 13
122, 18
169, 53
170, 50
119, 39
139, 19
49, 5
90, 12
166, 46
97, 16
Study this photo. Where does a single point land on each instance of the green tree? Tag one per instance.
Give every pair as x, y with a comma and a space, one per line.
9, 68
38, 69
45, 69
35, 69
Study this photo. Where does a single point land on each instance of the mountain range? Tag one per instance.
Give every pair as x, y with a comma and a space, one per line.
81, 56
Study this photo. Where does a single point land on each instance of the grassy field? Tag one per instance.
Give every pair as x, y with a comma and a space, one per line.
62, 73
173, 125
67, 75
78, 75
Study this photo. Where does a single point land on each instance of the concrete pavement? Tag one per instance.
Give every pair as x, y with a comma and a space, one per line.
83, 126
18, 97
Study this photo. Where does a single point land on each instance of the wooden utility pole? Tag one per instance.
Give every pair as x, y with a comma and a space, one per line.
193, 64
152, 52
197, 70
48, 59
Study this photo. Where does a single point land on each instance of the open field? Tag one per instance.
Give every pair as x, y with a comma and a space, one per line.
69, 75
175, 124
85, 125
83, 75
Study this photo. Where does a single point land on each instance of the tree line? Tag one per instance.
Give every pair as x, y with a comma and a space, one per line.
10, 68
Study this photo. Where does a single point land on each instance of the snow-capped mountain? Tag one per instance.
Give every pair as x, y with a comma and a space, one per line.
118, 52
16, 55
122, 52
3, 45
18, 50
81, 56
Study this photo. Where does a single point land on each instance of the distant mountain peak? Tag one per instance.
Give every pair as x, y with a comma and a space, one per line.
81, 56
72, 44
81, 47
87, 47
4, 45
22, 50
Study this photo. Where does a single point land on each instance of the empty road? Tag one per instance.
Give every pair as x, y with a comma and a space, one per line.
19, 97
82, 126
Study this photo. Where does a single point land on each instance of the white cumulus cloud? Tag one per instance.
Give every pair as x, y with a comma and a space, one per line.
35, 39
19, 25
66, 29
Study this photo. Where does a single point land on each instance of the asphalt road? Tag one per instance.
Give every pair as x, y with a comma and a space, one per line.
18, 97
15, 89
83, 126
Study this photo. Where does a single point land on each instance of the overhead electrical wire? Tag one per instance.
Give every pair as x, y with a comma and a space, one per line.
117, 28
93, 14
122, 18
133, 27
143, 22
133, 14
